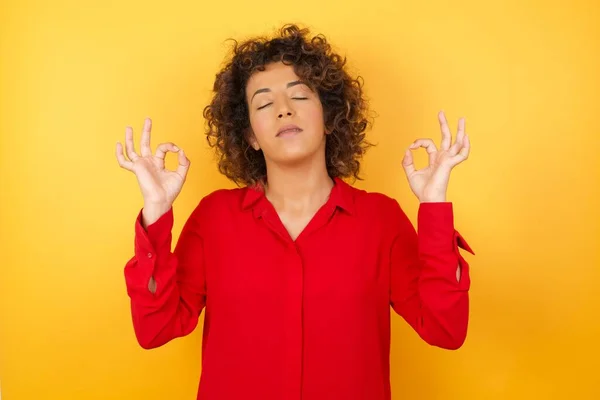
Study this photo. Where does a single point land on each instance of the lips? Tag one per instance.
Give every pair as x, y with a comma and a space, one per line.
288, 129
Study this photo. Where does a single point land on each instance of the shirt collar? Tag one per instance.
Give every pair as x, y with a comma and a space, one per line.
341, 196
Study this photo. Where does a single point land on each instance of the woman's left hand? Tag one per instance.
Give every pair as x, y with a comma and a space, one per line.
430, 184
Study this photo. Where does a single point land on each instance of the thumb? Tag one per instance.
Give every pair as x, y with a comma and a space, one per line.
408, 163
184, 163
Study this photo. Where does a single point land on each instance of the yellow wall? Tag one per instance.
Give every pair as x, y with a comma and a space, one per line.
525, 76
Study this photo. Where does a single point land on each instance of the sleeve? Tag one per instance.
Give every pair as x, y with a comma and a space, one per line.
174, 308
424, 289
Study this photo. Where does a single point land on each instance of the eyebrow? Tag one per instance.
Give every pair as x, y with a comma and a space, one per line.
265, 90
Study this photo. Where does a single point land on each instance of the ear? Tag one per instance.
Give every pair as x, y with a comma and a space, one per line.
252, 140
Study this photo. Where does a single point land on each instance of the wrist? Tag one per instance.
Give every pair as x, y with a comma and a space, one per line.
433, 199
152, 212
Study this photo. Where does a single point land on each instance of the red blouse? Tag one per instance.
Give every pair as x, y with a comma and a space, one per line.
306, 319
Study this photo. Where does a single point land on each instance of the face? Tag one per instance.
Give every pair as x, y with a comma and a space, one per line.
286, 116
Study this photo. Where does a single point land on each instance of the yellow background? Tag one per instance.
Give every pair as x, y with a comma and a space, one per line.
526, 77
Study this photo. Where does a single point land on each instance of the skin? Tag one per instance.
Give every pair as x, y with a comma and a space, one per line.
297, 180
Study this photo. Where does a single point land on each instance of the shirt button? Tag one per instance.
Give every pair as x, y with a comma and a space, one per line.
149, 255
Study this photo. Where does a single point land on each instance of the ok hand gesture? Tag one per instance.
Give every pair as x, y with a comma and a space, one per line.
430, 184
159, 186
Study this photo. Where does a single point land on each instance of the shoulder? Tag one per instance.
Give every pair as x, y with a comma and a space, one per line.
219, 203
378, 213
223, 199
379, 210
217, 210
373, 202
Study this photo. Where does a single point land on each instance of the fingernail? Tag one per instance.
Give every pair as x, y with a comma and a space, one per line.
176, 148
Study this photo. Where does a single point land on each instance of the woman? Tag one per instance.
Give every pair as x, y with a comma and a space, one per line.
296, 270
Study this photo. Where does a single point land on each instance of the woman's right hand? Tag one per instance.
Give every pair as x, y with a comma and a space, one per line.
160, 187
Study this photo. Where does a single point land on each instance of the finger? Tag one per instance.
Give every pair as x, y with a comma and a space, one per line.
408, 163
163, 148
129, 144
463, 154
428, 144
460, 136
128, 165
145, 141
184, 164
460, 133
446, 135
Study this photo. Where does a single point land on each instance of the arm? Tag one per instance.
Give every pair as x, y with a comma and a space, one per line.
167, 289
424, 288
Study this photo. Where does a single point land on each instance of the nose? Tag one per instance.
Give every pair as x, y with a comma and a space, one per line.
285, 109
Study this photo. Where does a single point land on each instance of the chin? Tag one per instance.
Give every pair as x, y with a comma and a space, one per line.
293, 159
295, 152
296, 156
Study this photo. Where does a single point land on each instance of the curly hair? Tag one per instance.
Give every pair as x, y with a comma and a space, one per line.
345, 109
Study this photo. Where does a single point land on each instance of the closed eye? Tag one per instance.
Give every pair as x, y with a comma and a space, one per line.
266, 105
293, 98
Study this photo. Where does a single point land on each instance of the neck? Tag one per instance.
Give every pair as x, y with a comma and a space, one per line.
298, 188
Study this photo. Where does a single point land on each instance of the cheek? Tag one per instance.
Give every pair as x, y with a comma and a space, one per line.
315, 115
261, 125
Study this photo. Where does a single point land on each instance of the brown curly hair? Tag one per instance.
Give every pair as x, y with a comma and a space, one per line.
344, 106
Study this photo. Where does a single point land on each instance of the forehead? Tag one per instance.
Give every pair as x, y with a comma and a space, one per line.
275, 74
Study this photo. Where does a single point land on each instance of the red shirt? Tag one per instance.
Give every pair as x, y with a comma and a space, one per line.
299, 320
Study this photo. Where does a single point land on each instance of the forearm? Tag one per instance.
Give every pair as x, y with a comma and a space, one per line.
444, 278
430, 278
152, 213
443, 298
162, 306
159, 309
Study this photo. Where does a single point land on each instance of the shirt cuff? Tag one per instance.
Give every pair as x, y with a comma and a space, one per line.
155, 237
436, 227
